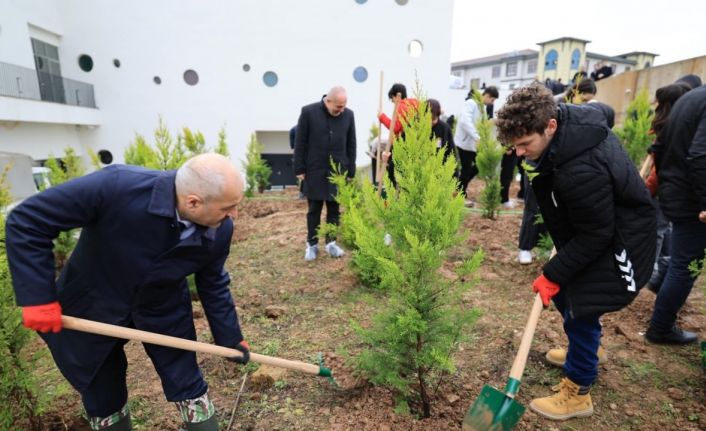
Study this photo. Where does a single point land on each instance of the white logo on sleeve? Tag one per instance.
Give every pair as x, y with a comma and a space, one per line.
626, 271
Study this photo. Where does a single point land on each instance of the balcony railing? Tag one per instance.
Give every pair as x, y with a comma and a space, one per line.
26, 83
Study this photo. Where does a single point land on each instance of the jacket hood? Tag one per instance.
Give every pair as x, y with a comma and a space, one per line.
581, 127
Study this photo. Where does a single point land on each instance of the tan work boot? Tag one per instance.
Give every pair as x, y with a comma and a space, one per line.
558, 356
569, 401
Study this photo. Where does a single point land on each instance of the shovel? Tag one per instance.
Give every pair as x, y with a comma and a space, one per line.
497, 410
115, 331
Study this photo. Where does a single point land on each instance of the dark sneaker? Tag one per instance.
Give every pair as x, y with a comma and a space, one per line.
673, 336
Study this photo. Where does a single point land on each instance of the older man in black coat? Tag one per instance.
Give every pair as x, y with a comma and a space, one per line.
325, 133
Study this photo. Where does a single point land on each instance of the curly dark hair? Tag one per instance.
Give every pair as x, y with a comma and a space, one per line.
526, 111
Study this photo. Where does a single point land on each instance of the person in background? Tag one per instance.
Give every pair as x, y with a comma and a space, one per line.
325, 134
467, 135
142, 233
292, 142
440, 130
406, 108
680, 162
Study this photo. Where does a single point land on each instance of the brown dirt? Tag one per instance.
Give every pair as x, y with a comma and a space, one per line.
641, 387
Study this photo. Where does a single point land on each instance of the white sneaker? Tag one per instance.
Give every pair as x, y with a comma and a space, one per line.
387, 239
525, 257
334, 250
311, 252
509, 205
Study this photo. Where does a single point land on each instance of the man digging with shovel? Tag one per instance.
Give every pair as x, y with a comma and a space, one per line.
600, 217
143, 233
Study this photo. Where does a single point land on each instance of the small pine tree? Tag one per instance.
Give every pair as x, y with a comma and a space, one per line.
488, 158
411, 340
635, 132
19, 389
222, 147
195, 143
257, 171
70, 168
139, 153
169, 155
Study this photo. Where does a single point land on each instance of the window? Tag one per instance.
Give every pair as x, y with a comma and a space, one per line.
246, 67
550, 60
157, 80
360, 74
85, 62
531, 67
116, 62
46, 60
496, 72
511, 69
647, 65
512, 86
270, 79
191, 77
415, 48
575, 59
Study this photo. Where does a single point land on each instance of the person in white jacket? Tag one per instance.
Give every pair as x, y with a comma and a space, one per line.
466, 135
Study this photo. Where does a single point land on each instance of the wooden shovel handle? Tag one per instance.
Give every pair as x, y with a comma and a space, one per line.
99, 328
518, 366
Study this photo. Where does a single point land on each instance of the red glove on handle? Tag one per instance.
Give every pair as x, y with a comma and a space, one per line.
546, 288
42, 318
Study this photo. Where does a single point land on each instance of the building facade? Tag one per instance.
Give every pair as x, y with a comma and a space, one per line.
91, 75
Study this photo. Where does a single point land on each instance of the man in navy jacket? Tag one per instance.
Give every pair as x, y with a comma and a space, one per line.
143, 232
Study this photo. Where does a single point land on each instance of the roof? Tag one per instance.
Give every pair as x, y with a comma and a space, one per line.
565, 38
637, 53
610, 58
499, 58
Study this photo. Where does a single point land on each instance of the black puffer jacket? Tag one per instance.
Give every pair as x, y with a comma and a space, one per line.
598, 212
681, 162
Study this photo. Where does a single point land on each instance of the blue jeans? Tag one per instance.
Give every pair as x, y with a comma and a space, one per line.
688, 244
584, 335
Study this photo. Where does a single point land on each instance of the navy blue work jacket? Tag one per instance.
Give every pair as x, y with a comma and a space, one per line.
129, 267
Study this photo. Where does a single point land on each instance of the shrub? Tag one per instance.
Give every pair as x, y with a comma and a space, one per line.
18, 387
411, 340
222, 146
635, 133
490, 153
257, 172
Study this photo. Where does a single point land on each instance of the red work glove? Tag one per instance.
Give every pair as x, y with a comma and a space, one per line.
43, 318
546, 289
244, 348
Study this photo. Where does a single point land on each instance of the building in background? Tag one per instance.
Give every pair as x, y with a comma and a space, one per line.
90, 75
556, 59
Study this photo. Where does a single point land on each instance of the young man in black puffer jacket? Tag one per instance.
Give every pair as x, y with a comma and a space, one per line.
600, 216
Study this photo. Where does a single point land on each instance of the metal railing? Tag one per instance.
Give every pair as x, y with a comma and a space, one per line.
26, 83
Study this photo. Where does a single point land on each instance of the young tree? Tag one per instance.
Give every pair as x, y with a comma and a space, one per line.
139, 153
257, 171
635, 132
490, 153
169, 155
222, 146
19, 389
195, 143
410, 343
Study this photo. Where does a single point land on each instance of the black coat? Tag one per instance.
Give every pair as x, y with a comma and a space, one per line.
320, 138
681, 159
598, 213
129, 267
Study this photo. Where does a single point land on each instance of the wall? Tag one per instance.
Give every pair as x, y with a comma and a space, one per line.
618, 91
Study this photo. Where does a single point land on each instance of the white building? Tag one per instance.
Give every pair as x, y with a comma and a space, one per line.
91, 74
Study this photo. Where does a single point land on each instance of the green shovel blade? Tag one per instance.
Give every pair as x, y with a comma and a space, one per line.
493, 411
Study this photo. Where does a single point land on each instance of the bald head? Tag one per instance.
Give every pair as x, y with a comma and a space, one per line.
208, 188
336, 100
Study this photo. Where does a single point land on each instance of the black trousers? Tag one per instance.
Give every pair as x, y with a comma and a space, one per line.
313, 218
530, 230
468, 168
507, 169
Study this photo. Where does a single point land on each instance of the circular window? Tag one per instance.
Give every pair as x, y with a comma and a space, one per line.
105, 156
191, 77
85, 62
246, 67
361, 1
157, 80
401, 2
270, 79
360, 74
415, 48
116, 62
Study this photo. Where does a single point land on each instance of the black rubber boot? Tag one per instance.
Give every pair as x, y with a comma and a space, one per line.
124, 424
210, 424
